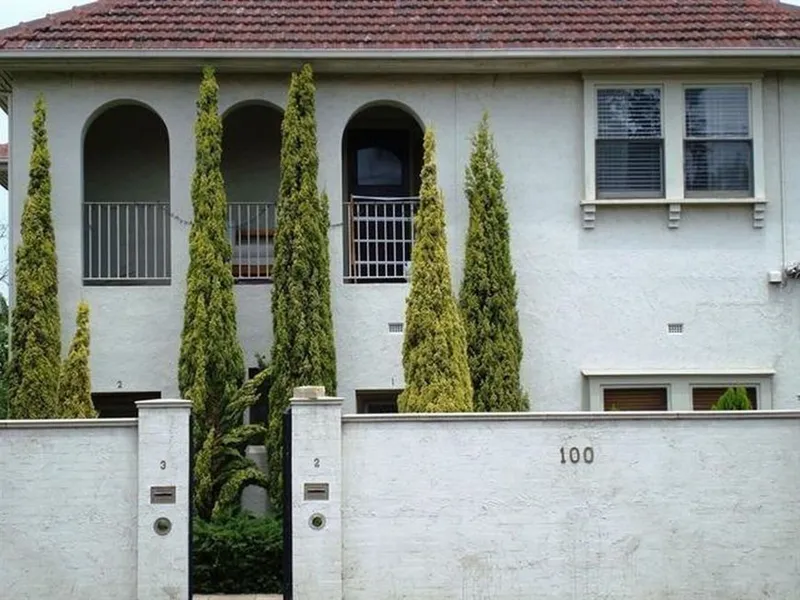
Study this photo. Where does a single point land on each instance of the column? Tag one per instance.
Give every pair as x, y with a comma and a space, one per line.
316, 511
164, 502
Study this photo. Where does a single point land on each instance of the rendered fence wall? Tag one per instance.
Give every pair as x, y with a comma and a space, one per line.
76, 520
654, 506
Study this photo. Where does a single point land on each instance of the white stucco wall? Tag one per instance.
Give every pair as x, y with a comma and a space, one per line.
75, 516
588, 299
681, 505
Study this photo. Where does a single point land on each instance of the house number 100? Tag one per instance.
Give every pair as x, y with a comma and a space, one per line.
574, 455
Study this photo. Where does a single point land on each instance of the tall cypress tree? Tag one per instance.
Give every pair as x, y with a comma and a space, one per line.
434, 346
36, 323
75, 387
303, 352
211, 362
488, 297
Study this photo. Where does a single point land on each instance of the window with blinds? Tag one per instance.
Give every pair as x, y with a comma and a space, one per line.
703, 398
718, 144
636, 398
629, 147
377, 401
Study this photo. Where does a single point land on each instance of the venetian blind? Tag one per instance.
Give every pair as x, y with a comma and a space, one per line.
635, 399
718, 147
629, 149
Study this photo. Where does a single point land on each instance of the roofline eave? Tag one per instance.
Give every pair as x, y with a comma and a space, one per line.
388, 61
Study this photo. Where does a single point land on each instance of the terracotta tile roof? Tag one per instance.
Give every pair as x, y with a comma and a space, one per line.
409, 25
3, 151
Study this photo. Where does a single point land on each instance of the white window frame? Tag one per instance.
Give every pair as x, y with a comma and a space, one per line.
679, 384
673, 114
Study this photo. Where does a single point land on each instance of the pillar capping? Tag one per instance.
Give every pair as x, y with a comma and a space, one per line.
140, 404
309, 392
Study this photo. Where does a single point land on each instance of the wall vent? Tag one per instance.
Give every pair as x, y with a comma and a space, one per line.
676, 328
395, 328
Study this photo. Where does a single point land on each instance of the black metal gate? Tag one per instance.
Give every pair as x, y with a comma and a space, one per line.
287, 505
191, 506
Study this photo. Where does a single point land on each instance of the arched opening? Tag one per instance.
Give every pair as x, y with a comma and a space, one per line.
126, 198
382, 159
251, 158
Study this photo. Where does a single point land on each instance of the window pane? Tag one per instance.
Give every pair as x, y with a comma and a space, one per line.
635, 399
718, 112
718, 166
629, 113
629, 167
379, 166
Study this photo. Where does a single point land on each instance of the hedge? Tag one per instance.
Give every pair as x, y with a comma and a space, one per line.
238, 555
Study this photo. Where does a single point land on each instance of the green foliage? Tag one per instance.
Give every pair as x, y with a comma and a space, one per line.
221, 468
734, 398
3, 358
237, 555
211, 363
488, 298
36, 323
75, 386
303, 352
434, 346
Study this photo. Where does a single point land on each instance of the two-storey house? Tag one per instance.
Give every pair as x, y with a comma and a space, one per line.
647, 149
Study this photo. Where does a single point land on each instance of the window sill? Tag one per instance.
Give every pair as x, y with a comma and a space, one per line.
589, 207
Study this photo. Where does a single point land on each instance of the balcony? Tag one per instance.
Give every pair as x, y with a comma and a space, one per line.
380, 235
126, 243
251, 228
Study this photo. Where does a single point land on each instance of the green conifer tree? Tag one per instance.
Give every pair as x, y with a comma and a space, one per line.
36, 323
434, 347
75, 386
488, 297
734, 398
303, 351
211, 362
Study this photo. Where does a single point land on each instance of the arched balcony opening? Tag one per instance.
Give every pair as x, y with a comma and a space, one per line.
251, 155
126, 198
382, 159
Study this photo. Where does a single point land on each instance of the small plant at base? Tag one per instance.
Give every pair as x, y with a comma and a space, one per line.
75, 387
734, 398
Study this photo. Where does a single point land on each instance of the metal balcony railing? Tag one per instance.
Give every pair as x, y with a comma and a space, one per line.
380, 235
252, 233
126, 243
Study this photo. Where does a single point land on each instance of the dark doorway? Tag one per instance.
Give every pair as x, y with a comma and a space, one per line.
382, 153
120, 405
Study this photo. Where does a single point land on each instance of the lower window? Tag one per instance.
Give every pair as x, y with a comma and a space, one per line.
120, 405
703, 398
376, 401
635, 398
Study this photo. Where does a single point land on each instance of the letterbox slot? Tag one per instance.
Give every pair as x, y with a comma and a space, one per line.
162, 494
315, 491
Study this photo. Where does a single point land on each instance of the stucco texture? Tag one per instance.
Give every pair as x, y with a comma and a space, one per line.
68, 513
643, 507
597, 298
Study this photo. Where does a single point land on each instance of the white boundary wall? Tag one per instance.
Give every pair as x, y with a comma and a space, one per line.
76, 520
686, 506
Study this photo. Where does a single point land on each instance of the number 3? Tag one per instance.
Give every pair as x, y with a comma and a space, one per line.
163, 465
